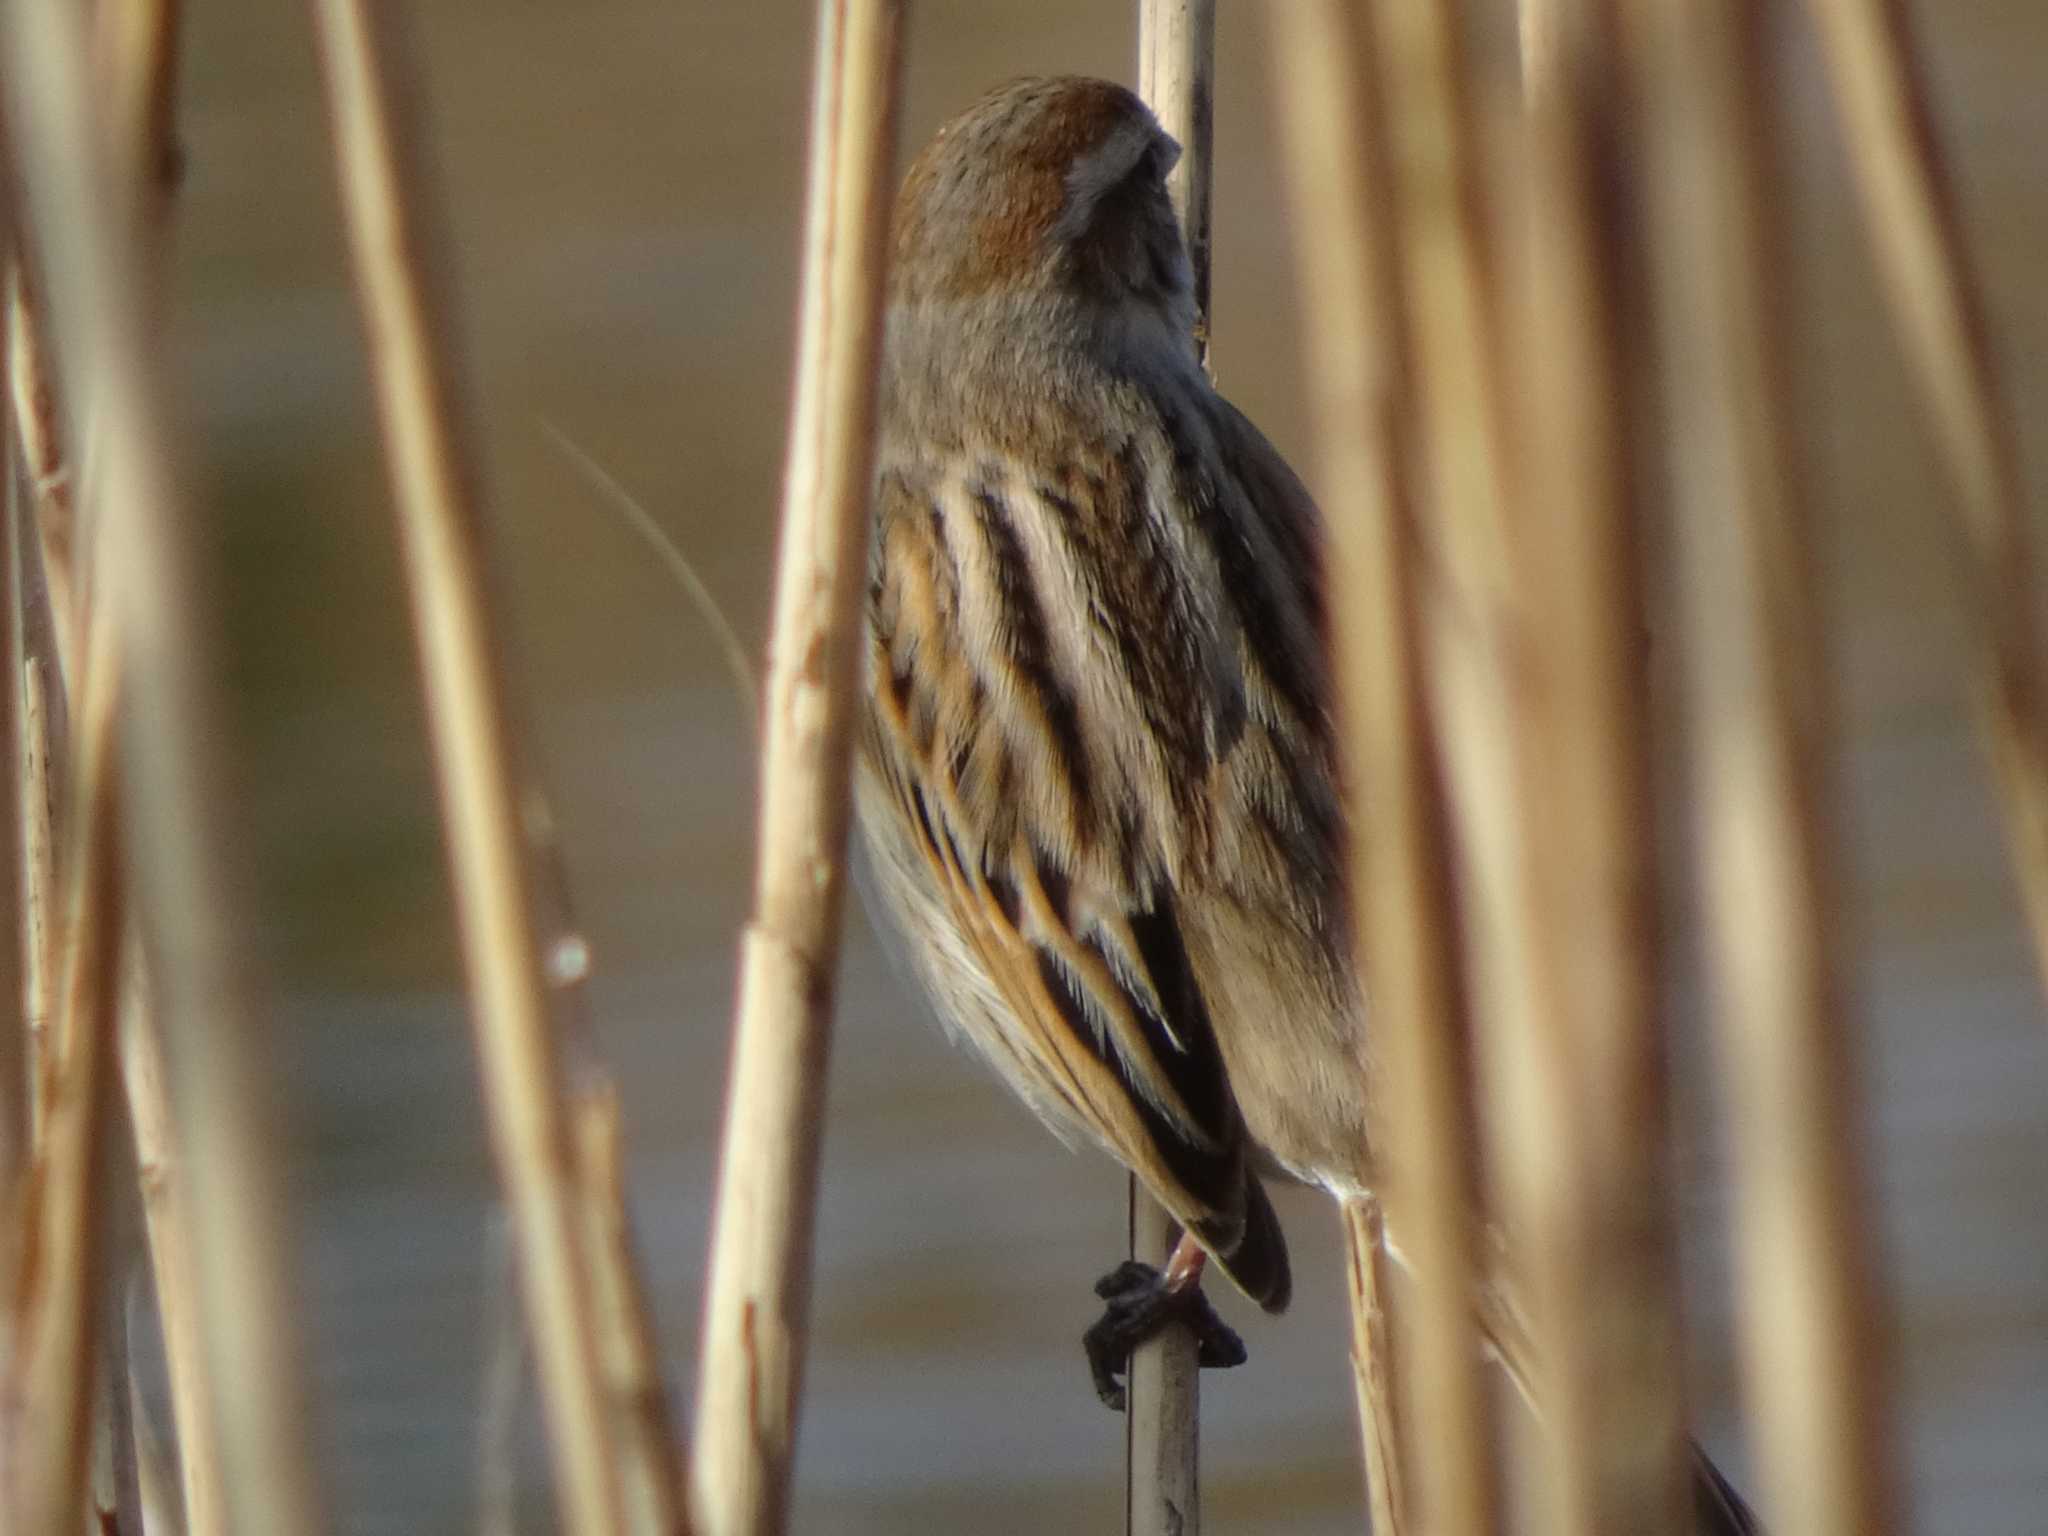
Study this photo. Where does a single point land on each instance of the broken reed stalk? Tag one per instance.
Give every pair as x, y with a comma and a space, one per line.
1814, 1359
176, 794
400, 255
757, 1301
1333, 122
62, 1303
1581, 1098
1162, 1411
1916, 233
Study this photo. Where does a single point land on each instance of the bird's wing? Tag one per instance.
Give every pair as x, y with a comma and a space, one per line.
1103, 1016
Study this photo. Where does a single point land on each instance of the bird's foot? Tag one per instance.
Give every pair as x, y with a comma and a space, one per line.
1142, 1301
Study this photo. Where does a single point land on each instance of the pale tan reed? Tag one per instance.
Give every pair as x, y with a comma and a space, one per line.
1916, 233
16, 1110
1368, 1288
1473, 636
175, 792
167, 1225
61, 1303
1814, 1358
1162, 1410
651, 1474
137, 48
1333, 120
41, 593
1162, 1403
40, 920
1579, 1100
757, 1303
1177, 78
45, 462
399, 249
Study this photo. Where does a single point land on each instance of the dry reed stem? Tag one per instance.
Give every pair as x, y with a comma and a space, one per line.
16, 1110
1917, 234
1177, 78
42, 924
758, 1294
158, 1169
61, 1302
1333, 121
1814, 1359
399, 248
167, 1225
1474, 648
651, 1470
155, 1485
1162, 1403
643, 1434
41, 611
137, 47
116, 1506
1582, 1103
39, 425
1162, 1417
1369, 1290
176, 793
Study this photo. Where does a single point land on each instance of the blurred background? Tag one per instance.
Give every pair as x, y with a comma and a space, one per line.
624, 182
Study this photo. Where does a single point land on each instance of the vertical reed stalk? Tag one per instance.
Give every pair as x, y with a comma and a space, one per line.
1813, 1355
651, 1475
1177, 78
1917, 235
1474, 639
176, 793
1333, 121
41, 612
62, 1303
1163, 1403
1369, 1290
757, 1303
45, 464
16, 1111
167, 1224
399, 250
1583, 1102
137, 60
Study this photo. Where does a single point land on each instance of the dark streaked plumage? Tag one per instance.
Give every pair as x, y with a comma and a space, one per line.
1098, 762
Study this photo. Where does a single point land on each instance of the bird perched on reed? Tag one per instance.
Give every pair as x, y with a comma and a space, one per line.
1098, 769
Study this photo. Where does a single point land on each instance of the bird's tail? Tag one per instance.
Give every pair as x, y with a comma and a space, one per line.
1257, 1259
1718, 1510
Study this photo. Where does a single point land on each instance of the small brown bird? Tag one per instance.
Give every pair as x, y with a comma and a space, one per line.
1098, 769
